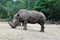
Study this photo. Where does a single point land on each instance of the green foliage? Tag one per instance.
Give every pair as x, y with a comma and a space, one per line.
51, 8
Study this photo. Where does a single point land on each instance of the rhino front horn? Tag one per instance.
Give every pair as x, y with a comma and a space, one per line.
11, 24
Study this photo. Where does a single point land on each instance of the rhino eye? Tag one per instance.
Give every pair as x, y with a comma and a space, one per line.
17, 15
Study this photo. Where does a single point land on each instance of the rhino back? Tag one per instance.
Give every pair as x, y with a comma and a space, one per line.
32, 16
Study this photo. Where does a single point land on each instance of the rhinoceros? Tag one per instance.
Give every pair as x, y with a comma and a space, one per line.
28, 16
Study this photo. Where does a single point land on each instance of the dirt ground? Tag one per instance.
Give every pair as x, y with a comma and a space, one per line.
52, 32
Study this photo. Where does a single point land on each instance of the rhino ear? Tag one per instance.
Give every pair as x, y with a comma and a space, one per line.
17, 15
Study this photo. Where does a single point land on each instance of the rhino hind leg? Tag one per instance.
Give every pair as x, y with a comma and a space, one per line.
42, 26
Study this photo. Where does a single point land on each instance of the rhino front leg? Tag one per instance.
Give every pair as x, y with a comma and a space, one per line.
25, 25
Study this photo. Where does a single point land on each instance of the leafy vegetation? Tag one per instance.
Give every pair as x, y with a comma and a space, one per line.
51, 8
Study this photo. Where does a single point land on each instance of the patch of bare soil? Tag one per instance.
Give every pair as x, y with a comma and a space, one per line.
52, 32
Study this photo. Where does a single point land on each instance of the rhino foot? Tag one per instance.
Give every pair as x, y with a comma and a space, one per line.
13, 27
42, 31
25, 29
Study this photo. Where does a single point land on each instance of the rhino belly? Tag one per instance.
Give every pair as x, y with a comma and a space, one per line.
33, 21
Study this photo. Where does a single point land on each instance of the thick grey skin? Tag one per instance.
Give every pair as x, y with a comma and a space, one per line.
25, 16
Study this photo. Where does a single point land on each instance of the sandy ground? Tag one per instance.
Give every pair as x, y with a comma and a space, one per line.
52, 32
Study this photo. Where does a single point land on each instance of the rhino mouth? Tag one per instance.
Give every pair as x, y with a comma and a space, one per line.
11, 24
